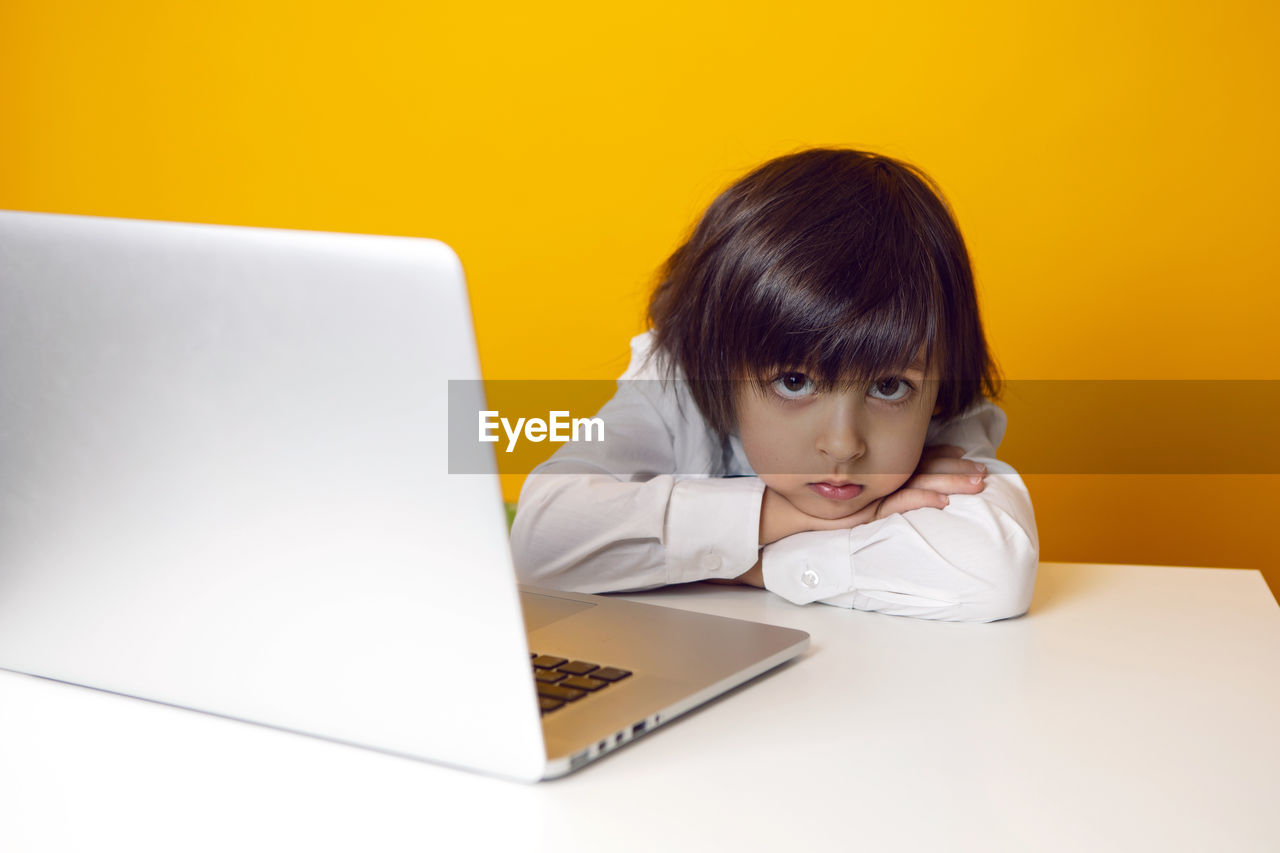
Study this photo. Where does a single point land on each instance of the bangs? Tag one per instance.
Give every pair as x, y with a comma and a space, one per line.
837, 348
844, 312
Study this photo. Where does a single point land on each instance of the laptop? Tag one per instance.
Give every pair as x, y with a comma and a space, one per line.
224, 485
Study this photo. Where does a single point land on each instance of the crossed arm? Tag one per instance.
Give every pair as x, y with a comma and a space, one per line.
942, 471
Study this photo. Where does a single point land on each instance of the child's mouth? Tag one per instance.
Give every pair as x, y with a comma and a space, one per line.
837, 492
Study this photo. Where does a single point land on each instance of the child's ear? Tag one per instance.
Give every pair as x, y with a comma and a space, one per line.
937, 410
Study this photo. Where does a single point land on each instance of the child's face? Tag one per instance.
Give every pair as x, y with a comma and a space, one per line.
832, 453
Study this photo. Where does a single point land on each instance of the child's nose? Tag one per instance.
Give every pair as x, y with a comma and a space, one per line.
840, 440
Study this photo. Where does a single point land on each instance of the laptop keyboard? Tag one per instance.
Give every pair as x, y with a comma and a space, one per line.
561, 681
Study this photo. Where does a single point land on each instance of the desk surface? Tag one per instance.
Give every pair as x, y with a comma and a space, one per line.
1134, 708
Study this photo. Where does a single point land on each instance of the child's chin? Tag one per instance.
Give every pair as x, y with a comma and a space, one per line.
831, 510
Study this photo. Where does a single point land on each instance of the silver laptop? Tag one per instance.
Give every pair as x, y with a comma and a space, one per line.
224, 485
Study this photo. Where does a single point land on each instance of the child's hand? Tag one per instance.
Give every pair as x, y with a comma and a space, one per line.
940, 472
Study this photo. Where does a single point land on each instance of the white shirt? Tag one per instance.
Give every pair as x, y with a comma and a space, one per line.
660, 501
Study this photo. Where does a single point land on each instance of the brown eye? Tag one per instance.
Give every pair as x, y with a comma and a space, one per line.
891, 390
794, 386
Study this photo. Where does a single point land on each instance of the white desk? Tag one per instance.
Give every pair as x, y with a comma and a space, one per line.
1134, 708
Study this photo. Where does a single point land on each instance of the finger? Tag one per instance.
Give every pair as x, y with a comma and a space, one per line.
932, 451
905, 500
949, 484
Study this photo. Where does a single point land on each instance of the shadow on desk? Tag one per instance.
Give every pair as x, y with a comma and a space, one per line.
1062, 585
1059, 587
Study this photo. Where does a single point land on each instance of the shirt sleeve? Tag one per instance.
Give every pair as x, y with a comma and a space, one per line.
975, 560
615, 515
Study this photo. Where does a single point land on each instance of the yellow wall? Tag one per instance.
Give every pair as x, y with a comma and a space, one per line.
1112, 165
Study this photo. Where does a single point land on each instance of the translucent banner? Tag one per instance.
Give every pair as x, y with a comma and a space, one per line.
1177, 427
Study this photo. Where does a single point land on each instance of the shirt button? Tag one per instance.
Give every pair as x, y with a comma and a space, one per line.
809, 578
711, 562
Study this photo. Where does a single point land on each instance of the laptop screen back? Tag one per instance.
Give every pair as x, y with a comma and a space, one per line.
223, 485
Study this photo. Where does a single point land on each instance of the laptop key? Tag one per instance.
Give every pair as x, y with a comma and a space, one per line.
578, 667
560, 681
555, 691
582, 682
548, 676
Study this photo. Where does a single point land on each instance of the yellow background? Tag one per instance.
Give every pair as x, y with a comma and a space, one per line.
1113, 167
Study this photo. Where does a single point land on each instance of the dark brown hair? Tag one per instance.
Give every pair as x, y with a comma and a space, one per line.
836, 262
